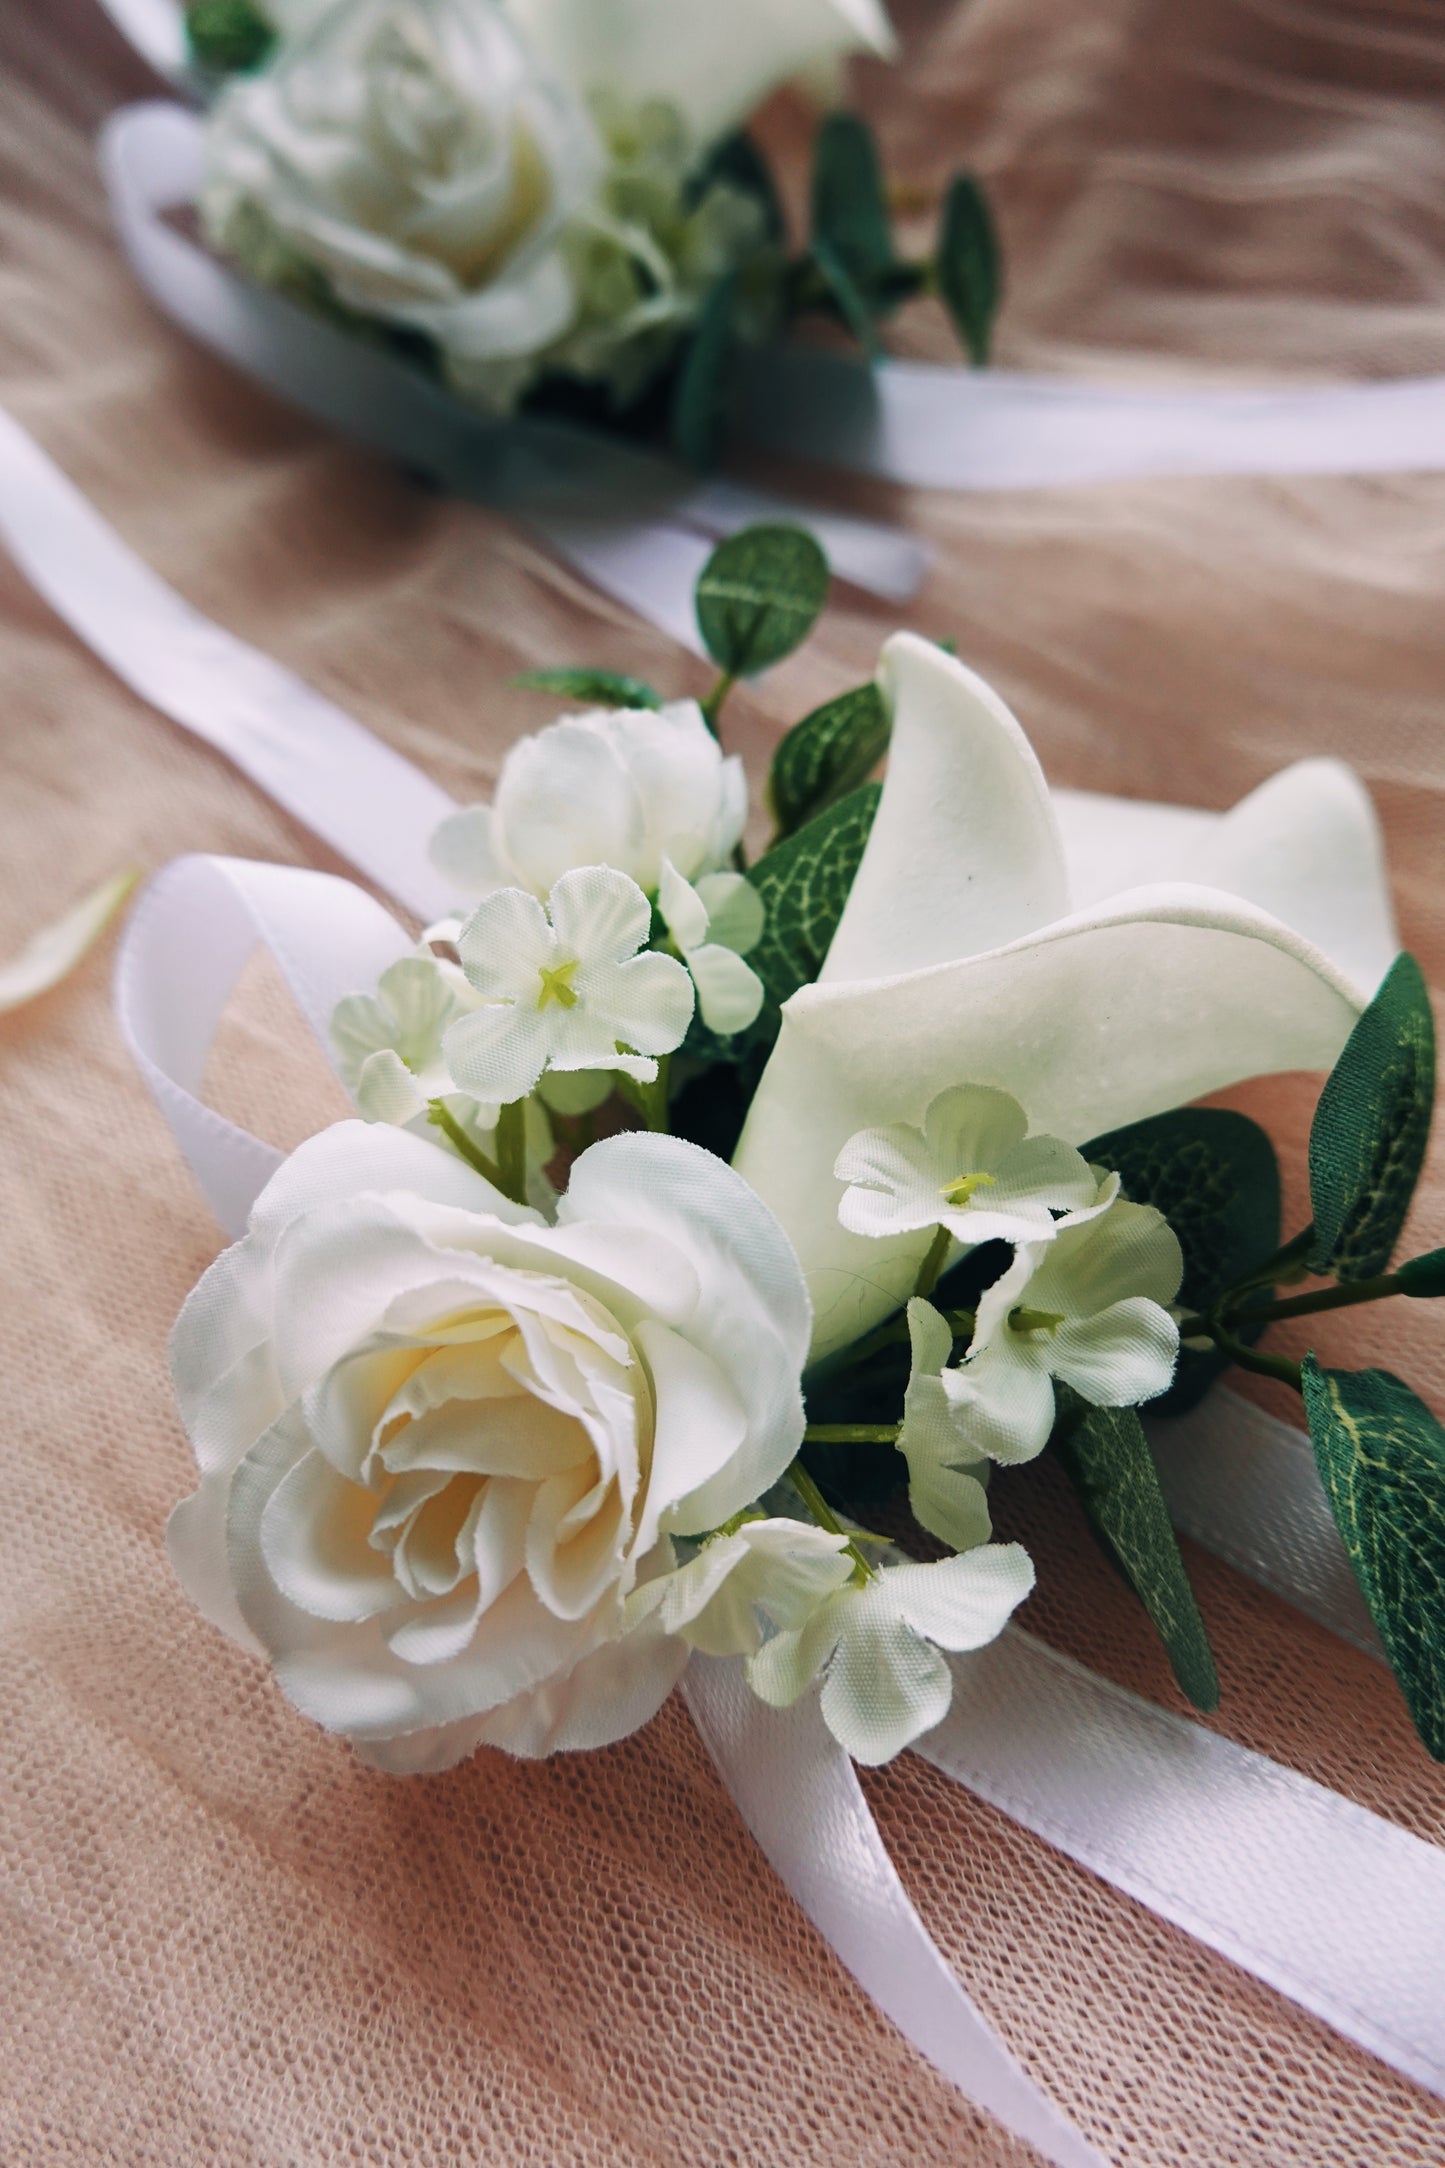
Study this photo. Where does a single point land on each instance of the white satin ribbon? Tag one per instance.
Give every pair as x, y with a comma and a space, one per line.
636, 525
1324, 1901
951, 428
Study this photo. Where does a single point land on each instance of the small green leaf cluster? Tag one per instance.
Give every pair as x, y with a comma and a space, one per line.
228, 37
850, 270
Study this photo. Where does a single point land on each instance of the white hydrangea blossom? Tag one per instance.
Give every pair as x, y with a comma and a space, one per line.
623, 787
1090, 1306
972, 1168
564, 988
781, 1568
713, 925
877, 1644
946, 1473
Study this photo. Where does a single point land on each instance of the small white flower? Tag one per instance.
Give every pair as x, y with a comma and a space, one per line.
566, 990
945, 1472
784, 1568
879, 1643
623, 787
972, 1168
1089, 1307
713, 924
415, 1000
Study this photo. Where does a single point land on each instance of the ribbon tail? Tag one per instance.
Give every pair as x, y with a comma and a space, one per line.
799, 1795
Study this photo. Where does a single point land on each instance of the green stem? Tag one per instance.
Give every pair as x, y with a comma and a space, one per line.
652, 1098
933, 1263
512, 1150
825, 1517
1345, 1296
711, 704
1248, 1358
443, 1119
851, 1433
1289, 1263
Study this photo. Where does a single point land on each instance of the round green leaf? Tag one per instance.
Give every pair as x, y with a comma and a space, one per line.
759, 596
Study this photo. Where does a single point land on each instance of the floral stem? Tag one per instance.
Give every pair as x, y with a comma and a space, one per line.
711, 704
1248, 1358
1289, 1263
825, 1517
652, 1098
443, 1119
512, 1150
1345, 1296
851, 1433
933, 1263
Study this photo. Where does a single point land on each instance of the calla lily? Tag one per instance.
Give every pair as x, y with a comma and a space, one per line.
962, 957
713, 64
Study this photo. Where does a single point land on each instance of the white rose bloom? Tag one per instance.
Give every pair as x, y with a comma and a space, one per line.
442, 1442
1089, 1307
961, 954
415, 154
878, 1643
623, 787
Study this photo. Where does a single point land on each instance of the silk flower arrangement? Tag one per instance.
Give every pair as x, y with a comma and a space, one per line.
496, 1424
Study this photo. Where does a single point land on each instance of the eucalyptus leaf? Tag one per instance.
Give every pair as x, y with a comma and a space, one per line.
804, 883
1215, 1177
1367, 1142
1381, 1455
1107, 1458
968, 267
699, 398
827, 754
229, 36
759, 596
849, 207
599, 688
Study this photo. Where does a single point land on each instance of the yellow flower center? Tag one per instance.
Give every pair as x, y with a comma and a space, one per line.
557, 985
1022, 1320
961, 1189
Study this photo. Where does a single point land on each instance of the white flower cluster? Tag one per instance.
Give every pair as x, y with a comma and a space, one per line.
1086, 1298
514, 180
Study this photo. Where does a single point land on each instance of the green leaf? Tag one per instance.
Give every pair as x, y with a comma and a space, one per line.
759, 596
968, 267
1381, 1455
849, 208
229, 36
827, 754
602, 688
804, 883
1214, 1176
1371, 1127
1423, 1276
699, 398
848, 298
1107, 1458
737, 162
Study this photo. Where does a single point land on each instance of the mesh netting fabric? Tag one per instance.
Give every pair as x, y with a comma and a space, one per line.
227, 1943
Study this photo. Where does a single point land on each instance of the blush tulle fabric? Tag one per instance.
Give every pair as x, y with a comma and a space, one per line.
224, 1941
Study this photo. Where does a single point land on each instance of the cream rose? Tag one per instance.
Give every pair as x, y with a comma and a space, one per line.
441, 1441
415, 154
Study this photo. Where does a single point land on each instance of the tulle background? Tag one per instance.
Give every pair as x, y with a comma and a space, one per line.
225, 1942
